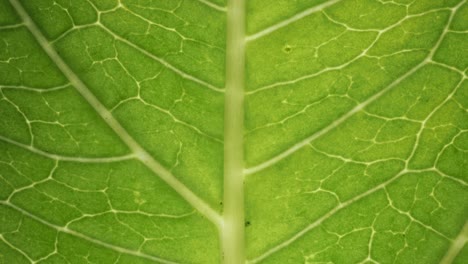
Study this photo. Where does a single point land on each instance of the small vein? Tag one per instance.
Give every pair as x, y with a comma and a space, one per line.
67, 158
413, 219
2, 238
11, 26
35, 89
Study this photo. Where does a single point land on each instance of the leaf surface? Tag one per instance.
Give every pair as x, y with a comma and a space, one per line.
212, 131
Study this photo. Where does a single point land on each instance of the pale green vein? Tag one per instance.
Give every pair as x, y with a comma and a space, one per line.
290, 20
213, 5
233, 229
11, 26
35, 89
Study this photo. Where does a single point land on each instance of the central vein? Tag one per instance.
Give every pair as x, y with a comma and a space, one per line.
233, 228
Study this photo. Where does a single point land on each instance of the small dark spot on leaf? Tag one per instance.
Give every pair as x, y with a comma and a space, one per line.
247, 223
287, 49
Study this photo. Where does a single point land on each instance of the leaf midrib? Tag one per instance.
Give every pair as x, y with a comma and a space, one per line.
232, 237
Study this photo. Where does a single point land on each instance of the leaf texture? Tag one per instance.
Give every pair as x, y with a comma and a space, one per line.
232, 131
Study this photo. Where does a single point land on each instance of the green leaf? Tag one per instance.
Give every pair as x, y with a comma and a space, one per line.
233, 131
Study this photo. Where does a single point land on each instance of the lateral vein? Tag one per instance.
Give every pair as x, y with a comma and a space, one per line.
290, 20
